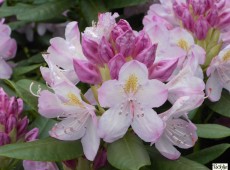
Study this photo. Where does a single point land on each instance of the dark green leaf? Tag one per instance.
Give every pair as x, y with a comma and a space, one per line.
14, 10
25, 69
161, 163
223, 105
48, 149
208, 154
212, 131
128, 153
123, 3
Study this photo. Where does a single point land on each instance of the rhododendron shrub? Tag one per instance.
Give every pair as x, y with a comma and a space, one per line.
109, 92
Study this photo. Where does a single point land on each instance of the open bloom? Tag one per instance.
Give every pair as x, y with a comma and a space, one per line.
130, 100
179, 130
8, 49
219, 75
78, 118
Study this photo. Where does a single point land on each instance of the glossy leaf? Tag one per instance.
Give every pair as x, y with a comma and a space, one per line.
223, 105
48, 149
123, 3
212, 131
161, 163
25, 69
128, 153
207, 155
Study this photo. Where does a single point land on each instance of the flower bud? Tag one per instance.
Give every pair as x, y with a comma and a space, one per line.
105, 50
187, 20
201, 28
4, 139
87, 72
212, 17
199, 6
121, 27
11, 123
115, 65
32, 135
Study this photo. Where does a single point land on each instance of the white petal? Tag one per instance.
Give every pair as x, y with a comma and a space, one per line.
134, 68
5, 69
90, 141
167, 149
147, 125
110, 93
113, 125
213, 87
71, 128
152, 94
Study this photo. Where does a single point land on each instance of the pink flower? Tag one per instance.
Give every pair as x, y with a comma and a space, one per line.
130, 103
179, 130
36, 165
8, 49
218, 73
78, 118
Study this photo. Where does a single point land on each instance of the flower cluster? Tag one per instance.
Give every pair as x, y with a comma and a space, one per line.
129, 74
8, 49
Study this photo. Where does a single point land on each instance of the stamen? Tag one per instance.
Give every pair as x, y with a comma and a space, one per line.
226, 56
131, 84
183, 44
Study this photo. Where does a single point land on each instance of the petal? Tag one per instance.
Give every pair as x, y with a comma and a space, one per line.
5, 69
181, 133
49, 105
90, 141
36, 165
110, 93
167, 149
113, 125
148, 126
134, 68
115, 65
70, 128
153, 94
72, 33
213, 87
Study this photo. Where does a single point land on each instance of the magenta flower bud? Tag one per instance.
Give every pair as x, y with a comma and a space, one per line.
125, 43
21, 127
199, 6
71, 164
212, 17
115, 65
219, 4
224, 19
3, 101
162, 70
142, 42
87, 72
105, 50
90, 50
147, 56
187, 20
121, 27
4, 139
13, 106
20, 105
179, 9
11, 123
201, 28
32, 135
100, 160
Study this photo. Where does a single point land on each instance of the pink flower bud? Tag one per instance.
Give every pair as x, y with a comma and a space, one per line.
224, 19
125, 43
20, 105
199, 6
87, 72
121, 27
71, 164
32, 135
11, 123
90, 50
3, 101
13, 106
212, 17
179, 9
105, 50
142, 41
4, 139
187, 20
220, 4
147, 56
21, 127
162, 70
100, 160
201, 28
115, 65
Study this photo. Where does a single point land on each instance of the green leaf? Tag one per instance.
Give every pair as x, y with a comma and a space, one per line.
45, 11
14, 10
223, 105
128, 153
212, 131
25, 69
123, 3
94, 6
161, 163
207, 155
44, 125
48, 149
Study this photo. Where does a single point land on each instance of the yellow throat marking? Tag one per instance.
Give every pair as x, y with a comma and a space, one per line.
131, 84
226, 56
183, 44
73, 100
